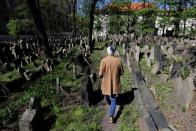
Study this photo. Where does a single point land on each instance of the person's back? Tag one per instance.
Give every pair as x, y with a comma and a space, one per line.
110, 70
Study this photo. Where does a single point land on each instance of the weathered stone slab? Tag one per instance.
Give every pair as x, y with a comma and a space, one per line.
183, 91
86, 92
163, 78
4, 91
152, 54
149, 62
27, 120
155, 69
35, 103
170, 52
175, 70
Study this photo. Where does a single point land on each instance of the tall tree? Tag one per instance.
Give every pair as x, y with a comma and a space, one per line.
42, 37
74, 17
91, 21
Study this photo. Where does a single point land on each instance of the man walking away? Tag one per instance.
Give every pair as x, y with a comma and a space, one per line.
110, 71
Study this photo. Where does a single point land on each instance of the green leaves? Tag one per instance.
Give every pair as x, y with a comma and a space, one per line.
117, 24
12, 27
190, 13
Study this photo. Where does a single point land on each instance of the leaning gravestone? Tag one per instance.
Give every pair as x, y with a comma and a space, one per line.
175, 70
30, 120
35, 103
170, 52
158, 56
149, 62
27, 120
4, 91
86, 91
184, 91
137, 54
152, 54
155, 69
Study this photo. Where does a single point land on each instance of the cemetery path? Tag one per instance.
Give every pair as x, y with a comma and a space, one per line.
127, 98
106, 126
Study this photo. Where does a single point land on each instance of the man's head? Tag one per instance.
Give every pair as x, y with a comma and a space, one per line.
110, 50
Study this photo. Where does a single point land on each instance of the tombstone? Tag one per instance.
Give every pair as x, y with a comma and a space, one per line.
87, 70
175, 70
35, 103
124, 49
31, 119
74, 71
93, 78
149, 62
163, 49
153, 89
146, 52
163, 78
27, 120
58, 85
137, 54
157, 53
4, 91
87, 49
156, 69
47, 65
183, 91
170, 52
81, 61
152, 54
86, 92
25, 74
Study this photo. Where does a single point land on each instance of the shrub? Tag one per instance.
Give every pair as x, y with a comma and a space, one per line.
12, 27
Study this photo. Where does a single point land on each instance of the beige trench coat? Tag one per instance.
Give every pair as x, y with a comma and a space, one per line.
110, 69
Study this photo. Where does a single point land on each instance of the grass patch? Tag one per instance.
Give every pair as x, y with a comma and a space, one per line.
127, 82
163, 92
10, 76
129, 118
143, 65
44, 88
185, 72
79, 118
31, 66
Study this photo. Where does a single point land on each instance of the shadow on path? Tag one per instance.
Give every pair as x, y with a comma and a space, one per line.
124, 99
97, 97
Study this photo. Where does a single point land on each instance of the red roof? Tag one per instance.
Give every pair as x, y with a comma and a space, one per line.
139, 6
131, 6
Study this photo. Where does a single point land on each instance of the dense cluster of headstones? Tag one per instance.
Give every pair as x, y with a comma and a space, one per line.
81, 66
17, 54
156, 50
177, 53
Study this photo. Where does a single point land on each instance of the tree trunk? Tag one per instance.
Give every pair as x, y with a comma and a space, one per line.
74, 18
184, 27
42, 37
177, 22
91, 22
128, 25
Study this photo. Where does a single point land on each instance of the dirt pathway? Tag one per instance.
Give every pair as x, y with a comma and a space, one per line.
106, 126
